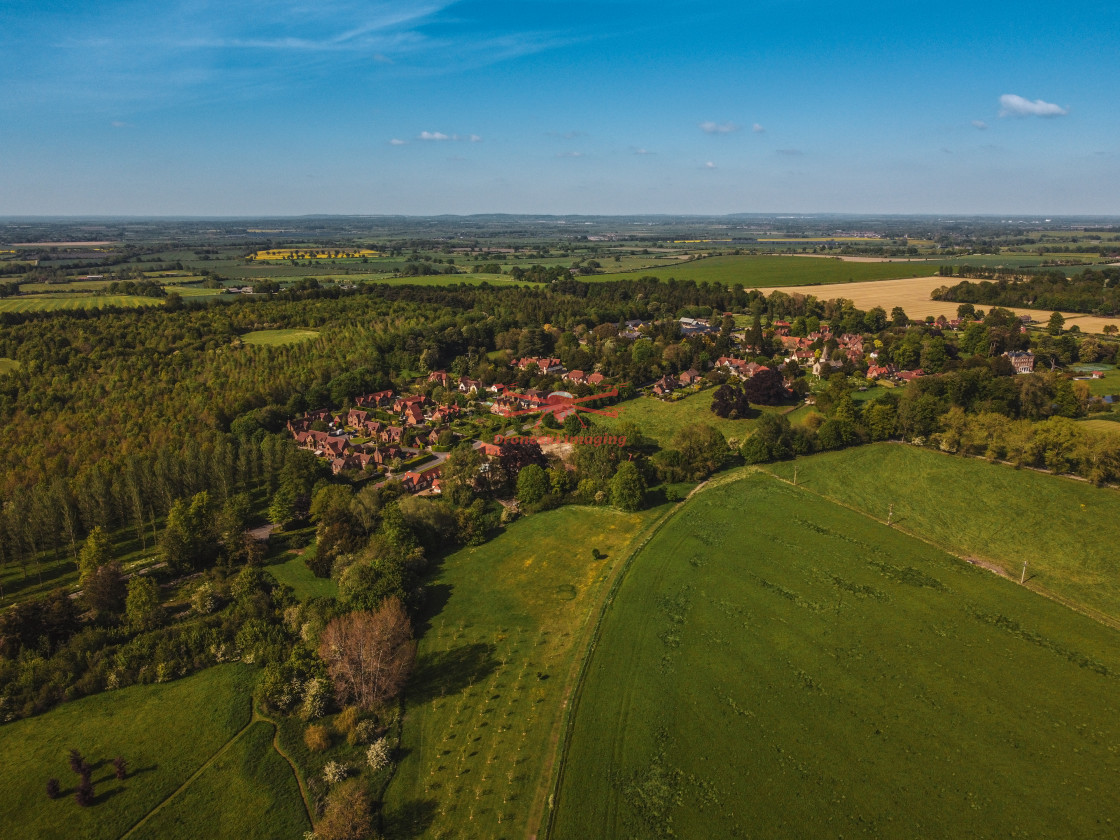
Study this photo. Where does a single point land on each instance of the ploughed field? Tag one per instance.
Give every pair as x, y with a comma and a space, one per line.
777, 665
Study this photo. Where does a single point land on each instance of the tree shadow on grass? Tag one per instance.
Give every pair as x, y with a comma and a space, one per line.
100, 797
412, 819
451, 671
436, 596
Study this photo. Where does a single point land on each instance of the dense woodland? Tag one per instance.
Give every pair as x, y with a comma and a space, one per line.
1095, 291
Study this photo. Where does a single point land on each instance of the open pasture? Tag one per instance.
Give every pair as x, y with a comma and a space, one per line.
752, 271
506, 625
165, 733
8, 365
248, 792
1064, 529
273, 338
661, 420
777, 666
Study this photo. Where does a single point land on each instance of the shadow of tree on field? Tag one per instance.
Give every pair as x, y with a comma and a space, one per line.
436, 596
412, 819
451, 671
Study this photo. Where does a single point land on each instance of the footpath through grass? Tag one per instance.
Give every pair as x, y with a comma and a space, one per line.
249, 792
1066, 530
165, 733
777, 666
482, 711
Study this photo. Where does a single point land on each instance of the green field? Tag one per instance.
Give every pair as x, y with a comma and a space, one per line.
164, 732
661, 420
276, 337
292, 571
482, 712
248, 792
778, 271
47, 303
1063, 528
776, 666
8, 365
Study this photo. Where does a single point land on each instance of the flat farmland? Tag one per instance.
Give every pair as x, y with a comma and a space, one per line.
777, 666
913, 295
752, 271
49, 303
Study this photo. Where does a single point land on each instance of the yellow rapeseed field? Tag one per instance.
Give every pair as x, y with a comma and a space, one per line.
314, 254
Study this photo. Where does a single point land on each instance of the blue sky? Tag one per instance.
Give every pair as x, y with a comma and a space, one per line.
294, 106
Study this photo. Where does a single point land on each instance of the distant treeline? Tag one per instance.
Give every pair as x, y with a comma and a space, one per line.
1095, 291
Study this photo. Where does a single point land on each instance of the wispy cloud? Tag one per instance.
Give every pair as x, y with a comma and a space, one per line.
1012, 105
710, 165
980, 124
396, 141
718, 128
439, 136
569, 154
188, 51
640, 151
758, 129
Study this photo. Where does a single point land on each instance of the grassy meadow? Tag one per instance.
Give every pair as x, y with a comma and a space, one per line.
496, 660
661, 420
291, 570
775, 665
248, 792
273, 338
165, 732
8, 365
1061, 527
776, 271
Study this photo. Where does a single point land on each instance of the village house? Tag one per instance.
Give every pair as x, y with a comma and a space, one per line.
469, 386
910, 375
826, 366
401, 403
375, 400
695, 326
412, 415
690, 377
595, 379
665, 385
440, 377
384, 454
544, 365
391, 434
879, 371
1021, 360
576, 377
738, 367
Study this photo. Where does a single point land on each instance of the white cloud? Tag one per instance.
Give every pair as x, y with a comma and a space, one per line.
396, 141
758, 129
980, 124
1012, 105
641, 151
709, 165
439, 136
718, 128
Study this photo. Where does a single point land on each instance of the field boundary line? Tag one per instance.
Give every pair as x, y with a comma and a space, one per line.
222, 750
1037, 588
576, 681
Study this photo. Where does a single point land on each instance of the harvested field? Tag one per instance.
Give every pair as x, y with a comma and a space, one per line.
913, 295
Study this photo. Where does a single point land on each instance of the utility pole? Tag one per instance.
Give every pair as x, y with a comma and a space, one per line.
795, 475
1023, 576
890, 514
